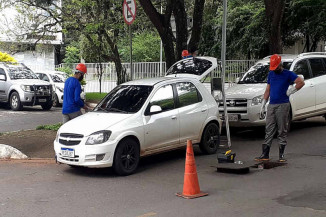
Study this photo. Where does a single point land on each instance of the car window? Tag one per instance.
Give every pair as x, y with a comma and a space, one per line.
56, 79
45, 78
317, 67
125, 99
187, 94
2, 71
163, 98
193, 66
301, 68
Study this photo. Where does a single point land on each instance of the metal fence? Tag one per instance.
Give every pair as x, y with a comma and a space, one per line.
234, 69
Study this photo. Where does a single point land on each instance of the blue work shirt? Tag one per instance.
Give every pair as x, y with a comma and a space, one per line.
279, 85
71, 96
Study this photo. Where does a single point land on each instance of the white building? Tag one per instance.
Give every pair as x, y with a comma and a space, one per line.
20, 36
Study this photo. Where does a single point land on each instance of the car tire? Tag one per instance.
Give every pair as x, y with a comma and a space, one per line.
56, 101
15, 102
47, 106
126, 157
210, 140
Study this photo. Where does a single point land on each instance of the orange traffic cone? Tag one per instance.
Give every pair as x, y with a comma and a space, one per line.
190, 185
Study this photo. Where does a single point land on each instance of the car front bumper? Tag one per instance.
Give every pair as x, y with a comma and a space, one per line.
94, 156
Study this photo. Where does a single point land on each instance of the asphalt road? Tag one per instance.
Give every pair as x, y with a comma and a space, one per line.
28, 118
297, 189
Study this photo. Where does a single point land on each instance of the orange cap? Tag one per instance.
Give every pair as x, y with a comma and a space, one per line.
82, 68
184, 53
275, 61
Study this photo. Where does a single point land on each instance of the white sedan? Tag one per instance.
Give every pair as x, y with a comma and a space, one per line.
144, 117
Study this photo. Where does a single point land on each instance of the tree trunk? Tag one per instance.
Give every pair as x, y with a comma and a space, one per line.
180, 16
274, 15
163, 26
197, 23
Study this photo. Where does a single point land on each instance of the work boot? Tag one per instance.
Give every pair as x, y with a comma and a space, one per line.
265, 154
281, 156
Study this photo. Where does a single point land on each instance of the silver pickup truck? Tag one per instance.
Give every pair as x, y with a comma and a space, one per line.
19, 86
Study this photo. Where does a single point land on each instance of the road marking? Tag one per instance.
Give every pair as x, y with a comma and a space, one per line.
148, 214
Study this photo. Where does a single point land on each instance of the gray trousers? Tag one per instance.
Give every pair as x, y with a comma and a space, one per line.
70, 116
277, 119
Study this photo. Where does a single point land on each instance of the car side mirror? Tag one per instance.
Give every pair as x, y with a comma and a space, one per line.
301, 76
155, 109
2, 77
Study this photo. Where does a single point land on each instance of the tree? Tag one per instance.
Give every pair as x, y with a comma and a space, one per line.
173, 46
274, 16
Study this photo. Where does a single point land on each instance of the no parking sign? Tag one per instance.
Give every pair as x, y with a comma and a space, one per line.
129, 11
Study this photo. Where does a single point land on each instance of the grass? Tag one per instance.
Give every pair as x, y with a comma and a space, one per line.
54, 127
94, 97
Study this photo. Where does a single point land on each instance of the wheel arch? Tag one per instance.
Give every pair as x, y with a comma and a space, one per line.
124, 138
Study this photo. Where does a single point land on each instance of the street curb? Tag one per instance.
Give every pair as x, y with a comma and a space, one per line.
30, 160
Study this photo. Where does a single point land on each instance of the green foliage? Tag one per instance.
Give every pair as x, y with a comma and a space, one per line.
95, 97
72, 54
66, 69
4, 57
145, 47
54, 127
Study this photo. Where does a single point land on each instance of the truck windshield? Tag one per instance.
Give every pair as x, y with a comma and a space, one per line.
259, 73
21, 73
125, 99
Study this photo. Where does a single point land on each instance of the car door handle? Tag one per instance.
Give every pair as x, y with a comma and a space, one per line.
312, 85
203, 110
174, 117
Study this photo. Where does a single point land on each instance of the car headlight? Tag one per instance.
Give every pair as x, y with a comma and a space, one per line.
60, 89
98, 137
257, 100
26, 88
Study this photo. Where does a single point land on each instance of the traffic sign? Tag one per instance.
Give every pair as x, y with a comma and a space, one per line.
129, 11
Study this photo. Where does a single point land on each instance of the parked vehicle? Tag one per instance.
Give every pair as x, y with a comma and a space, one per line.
144, 117
19, 86
57, 84
244, 98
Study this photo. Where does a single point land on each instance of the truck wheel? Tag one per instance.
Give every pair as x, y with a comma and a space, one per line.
56, 101
126, 157
15, 102
210, 139
47, 106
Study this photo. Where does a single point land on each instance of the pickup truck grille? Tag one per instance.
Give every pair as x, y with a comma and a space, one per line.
42, 90
236, 106
70, 138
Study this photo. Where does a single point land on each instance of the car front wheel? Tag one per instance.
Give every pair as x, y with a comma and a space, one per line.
56, 101
15, 102
210, 139
126, 157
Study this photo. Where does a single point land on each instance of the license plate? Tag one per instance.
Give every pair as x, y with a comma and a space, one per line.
233, 117
42, 100
67, 152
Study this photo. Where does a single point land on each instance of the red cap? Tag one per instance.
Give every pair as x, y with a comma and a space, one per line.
275, 61
82, 68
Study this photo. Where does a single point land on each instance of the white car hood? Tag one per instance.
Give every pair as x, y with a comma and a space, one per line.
92, 122
245, 91
30, 82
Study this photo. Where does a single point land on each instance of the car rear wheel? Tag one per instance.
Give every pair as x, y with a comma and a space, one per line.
210, 139
126, 158
15, 102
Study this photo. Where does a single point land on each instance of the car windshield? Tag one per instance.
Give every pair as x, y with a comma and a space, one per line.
56, 79
21, 73
259, 73
125, 99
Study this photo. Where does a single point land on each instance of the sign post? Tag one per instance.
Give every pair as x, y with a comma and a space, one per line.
129, 15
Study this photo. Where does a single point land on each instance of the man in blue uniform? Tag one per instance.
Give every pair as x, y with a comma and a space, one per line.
72, 103
278, 91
